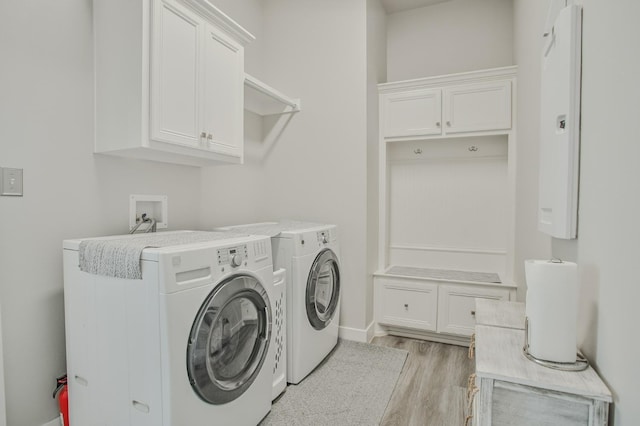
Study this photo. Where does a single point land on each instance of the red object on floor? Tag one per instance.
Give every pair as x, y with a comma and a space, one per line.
63, 398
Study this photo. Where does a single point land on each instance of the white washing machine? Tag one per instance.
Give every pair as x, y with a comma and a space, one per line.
190, 343
310, 254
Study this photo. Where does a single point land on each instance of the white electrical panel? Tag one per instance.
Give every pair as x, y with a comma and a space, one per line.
560, 125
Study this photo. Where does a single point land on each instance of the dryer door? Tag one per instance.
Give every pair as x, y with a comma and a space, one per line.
229, 339
323, 289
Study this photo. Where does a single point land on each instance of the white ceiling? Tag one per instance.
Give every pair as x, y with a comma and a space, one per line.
393, 6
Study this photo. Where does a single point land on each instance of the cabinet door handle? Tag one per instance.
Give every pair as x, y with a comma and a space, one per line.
406, 306
448, 124
203, 134
437, 124
209, 137
473, 313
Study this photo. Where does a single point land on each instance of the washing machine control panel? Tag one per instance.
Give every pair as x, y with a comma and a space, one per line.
324, 237
233, 256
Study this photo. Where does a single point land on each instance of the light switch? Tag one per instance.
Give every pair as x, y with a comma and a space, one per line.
11, 181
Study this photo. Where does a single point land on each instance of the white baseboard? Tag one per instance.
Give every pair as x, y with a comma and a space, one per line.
54, 422
371, 331
356, 334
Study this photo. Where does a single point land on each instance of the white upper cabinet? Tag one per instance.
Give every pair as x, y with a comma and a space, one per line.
169, 81
435, 107
413, 113
477, 107
222, 113
176, 74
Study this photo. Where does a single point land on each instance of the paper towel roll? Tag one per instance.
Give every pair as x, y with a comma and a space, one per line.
552, 309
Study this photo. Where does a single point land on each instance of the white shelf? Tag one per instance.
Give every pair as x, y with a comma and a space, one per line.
263, 99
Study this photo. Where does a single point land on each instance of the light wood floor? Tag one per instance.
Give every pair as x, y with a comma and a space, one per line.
431, 389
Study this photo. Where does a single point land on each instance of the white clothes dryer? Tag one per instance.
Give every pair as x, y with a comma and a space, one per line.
310, 254
190, 343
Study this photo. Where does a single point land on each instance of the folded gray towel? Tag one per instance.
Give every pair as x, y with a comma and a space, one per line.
120, 257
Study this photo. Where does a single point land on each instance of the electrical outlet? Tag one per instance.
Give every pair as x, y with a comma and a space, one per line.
11, 182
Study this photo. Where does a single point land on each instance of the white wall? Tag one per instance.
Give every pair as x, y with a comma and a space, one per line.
247, 13
317, 169
529, 20
608, 234
46, 127
450, 37
3, 406
376, 73
607, 245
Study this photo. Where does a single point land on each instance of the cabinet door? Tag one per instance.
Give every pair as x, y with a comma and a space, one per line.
416, 113
456, 306
477, 107
409, 304
175, 69
223, 93
514, 404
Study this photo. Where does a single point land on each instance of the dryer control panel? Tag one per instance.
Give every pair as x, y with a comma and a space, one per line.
233, 256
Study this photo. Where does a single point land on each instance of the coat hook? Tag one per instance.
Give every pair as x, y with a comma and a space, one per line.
417, 151
473, 148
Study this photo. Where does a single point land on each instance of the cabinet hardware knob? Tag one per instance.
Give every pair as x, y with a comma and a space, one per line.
406, 306
437, 124
473, 313
473, 148
203, 134
448, 124
209, 136
417, 151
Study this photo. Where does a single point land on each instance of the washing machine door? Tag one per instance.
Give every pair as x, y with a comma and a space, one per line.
323, 289
229, 339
